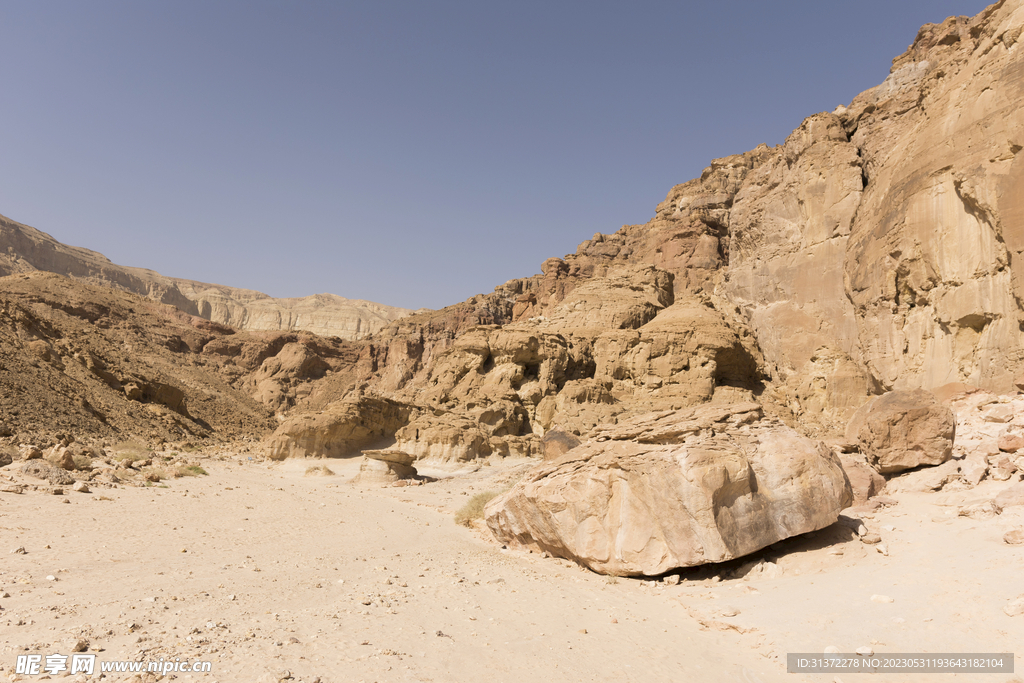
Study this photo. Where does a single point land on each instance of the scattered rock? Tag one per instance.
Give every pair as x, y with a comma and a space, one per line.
76, 644
1015, 607
31, 453
1015, 537
864, 651
999, 413
20, 550
984, 510
864, 480
871, 538
1011, 443
853, 523
1009, 497
81, 487
40, 469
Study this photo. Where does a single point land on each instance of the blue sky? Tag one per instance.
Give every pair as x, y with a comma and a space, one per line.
410, 153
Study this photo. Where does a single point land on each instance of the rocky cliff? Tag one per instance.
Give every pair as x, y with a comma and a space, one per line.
877, 248
24, 249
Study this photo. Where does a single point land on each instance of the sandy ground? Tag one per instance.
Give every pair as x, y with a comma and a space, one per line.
272, 575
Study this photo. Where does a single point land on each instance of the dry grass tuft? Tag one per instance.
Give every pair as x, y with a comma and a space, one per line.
319, 471
474, 508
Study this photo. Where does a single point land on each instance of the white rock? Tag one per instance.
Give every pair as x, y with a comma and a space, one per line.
881, 598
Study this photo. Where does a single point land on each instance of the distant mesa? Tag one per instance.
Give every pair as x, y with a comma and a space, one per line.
24, 249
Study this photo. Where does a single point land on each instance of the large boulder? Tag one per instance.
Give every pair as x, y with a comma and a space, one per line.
674, 489
902, 430
343, 430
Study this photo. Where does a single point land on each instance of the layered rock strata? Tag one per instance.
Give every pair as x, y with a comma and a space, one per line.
24, 249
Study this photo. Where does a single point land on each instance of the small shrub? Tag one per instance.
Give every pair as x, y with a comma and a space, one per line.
83, 462
130, 450
319, 471
189, 471
474, 508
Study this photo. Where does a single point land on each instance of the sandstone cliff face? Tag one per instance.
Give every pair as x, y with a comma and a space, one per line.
934, 263
877, 248
24, 249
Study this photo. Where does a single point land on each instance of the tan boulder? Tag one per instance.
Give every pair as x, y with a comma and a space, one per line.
902, 430
1011, 443
674, 489
385, 467
342, 430
557, 443
1011, 496
30, 453
864, 480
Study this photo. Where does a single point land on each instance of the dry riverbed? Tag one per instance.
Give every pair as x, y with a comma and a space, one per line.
269, 575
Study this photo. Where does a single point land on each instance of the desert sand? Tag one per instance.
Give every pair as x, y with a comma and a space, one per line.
272, 575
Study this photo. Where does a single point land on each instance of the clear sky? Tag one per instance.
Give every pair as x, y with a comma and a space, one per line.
412, 153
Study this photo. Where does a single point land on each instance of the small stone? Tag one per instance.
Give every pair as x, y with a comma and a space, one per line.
77, 644
871, 538
1015, 537
672, 580
51, 577
31, 453
864, 651
729, 612
19, 551
889, 527
1015, 607
81, 487
583, 631
882, 549
1010, 443
881, 598
231, 597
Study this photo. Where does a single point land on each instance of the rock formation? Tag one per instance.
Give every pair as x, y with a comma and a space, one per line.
903, 430
675, 489
878, 250
24, 249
